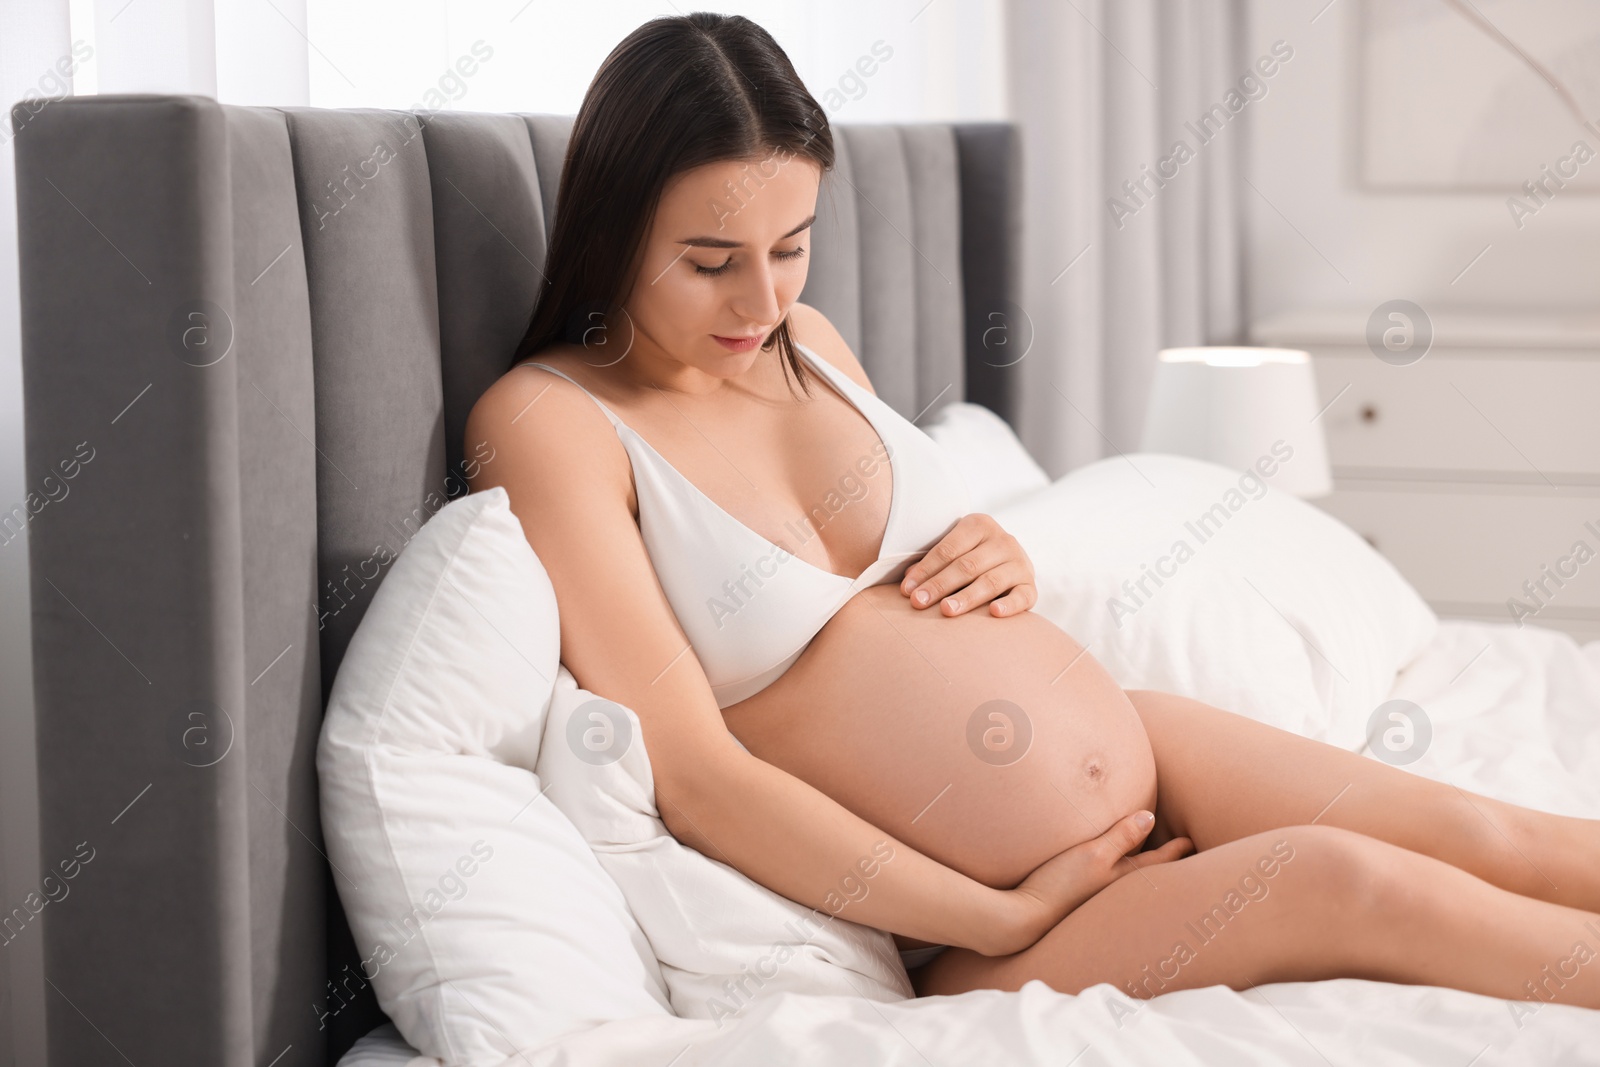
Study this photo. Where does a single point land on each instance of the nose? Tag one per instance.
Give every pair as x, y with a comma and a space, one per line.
756, 300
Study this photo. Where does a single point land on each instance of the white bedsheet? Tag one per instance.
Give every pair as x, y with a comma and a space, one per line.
1515, 714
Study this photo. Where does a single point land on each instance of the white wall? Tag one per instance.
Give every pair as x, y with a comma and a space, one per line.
1304, 160
945, 62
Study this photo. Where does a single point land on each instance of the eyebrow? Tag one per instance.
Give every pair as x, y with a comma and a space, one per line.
723, 242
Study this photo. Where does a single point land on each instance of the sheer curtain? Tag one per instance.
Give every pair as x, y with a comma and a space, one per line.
34, 37
1123, 253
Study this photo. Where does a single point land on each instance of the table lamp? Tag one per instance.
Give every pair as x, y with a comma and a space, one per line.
1230, 405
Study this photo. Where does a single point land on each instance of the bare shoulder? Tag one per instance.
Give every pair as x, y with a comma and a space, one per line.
534, 426
811, 328
534, 400
567, 480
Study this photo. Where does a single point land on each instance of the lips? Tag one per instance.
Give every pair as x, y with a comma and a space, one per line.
739, 344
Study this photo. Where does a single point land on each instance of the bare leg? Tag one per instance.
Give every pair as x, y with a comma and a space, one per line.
1335, 904
1222, 776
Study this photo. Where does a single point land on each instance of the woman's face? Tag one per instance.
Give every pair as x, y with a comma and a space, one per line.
724, 261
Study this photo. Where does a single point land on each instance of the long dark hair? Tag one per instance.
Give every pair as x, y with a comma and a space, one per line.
678, 92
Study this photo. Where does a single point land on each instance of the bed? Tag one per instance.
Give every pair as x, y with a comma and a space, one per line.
1516, 714
268, 335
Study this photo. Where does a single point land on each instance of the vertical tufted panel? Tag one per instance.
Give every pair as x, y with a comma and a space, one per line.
489, 245
282, 663
366, 216
888, 269
366, 213
998, 329
549, 135
940, 356
833, 275
124, 208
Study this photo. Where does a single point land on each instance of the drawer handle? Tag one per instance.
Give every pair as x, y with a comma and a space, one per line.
1369, 413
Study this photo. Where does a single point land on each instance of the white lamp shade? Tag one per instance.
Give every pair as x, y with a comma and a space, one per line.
1232, 406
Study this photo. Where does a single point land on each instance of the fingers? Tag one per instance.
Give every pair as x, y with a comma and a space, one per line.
974, 579
974, 564
1125, 835
985, 588
1175, 849
1023, 596
944, 571
968, 533
963, 537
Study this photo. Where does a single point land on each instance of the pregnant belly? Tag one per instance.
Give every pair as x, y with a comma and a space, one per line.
989, 744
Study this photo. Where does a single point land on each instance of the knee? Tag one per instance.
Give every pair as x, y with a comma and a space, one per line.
1339, 870
1494, 843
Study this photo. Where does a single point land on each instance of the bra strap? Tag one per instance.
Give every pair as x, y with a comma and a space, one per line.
841, 382
615, 421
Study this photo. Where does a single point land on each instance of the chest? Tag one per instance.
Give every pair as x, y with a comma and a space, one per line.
809, 474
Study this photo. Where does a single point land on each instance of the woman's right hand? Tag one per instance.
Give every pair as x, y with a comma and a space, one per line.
1065, 881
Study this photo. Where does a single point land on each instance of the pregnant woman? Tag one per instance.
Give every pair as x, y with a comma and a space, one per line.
834, 662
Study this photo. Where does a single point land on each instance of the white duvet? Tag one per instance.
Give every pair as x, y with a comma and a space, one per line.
1515, 714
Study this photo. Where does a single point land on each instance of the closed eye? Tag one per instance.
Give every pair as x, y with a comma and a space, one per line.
727, 264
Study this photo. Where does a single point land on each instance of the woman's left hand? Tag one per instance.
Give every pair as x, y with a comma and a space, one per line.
975, 563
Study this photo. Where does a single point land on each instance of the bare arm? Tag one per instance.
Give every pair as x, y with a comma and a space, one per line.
620, 639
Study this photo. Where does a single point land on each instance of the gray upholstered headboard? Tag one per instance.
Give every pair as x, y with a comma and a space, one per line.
251, 337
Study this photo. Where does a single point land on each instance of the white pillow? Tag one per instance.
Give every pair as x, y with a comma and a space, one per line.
992, 461
384, 1047
1188, 577
723, 940
481, 915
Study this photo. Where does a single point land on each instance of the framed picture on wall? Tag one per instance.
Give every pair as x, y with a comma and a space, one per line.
1480, 95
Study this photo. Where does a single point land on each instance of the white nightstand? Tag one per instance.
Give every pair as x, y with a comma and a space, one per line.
1476, 469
